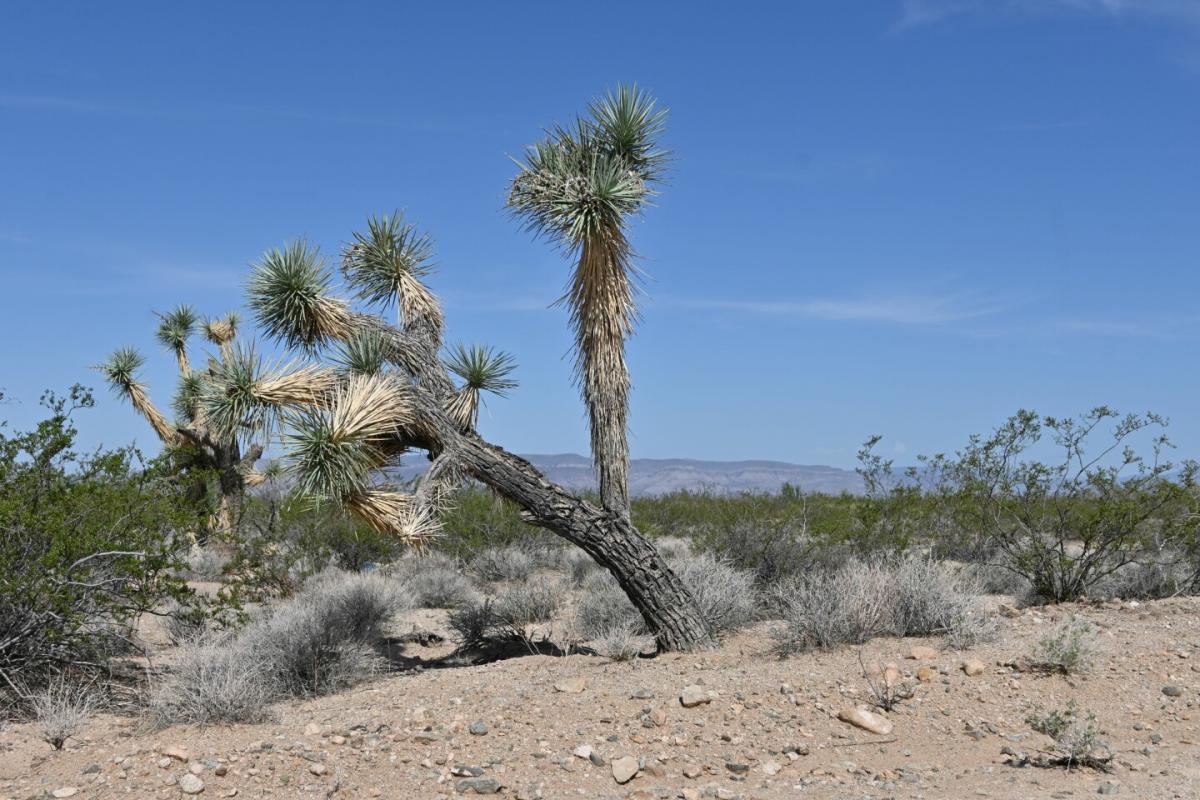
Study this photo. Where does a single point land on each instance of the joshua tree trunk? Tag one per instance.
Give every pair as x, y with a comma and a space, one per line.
665, 603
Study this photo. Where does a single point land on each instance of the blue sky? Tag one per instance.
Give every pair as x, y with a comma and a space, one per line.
907, 218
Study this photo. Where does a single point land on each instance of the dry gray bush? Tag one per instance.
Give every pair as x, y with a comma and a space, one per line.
725, 595
511, 614
319, 641
497, 564
858, 601
61, 708
1067, 649
436, 581
621, 643
580, 566
206, 563
216, 679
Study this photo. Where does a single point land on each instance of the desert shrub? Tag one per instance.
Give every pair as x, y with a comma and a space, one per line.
509, 615
903, 596
318, 641
1066, 649
435, 581
621, 643
725, 594
525, 604
937, 597
85, 547
61, 707
1068, 524
579, 565
215, 680
1075, 736
474, 624
186, 623
508, 563
602, 606
206, 563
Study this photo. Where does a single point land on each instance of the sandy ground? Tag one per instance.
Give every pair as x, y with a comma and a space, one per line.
769, 731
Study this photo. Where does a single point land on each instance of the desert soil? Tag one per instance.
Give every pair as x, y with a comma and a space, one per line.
523, 727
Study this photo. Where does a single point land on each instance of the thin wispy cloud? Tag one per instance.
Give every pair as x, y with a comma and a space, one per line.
919, 13
899, 308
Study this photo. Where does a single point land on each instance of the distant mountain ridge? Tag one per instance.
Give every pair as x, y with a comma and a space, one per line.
655, 476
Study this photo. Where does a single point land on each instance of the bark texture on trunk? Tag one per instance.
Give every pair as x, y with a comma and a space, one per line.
665, 603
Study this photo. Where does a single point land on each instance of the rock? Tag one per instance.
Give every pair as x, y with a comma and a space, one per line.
692, 770
642, 694
658, 717
221, 771
691, 794
737, 769
771, 767
195, 768
478, 729
1009, 611
596, 759
693, 695
1171, 690
974, 667
640, 794
479, 785
464, 771
922, 653
66, 791
926, 674
582, 751
178, 753
312, 729
163, 762
624, 769
191, 784
1108, 788
571, 685
867, 720
91, 769
318, 769
891, 675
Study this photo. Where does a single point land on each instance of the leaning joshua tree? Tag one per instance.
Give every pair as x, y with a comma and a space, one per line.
579, 187
387, 389
200, 451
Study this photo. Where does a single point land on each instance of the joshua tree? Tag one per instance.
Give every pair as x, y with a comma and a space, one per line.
579, 187
389, 389
200, 450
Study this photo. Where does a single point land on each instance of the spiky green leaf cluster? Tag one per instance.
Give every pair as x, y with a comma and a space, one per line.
586, 179
122, 367
176, 326
483, 368
376, 262
327, 466
286, 290
229, 398
365, 353
188, 396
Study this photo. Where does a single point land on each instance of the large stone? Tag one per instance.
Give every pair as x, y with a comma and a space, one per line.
479, 786
571, 685
922, 653
693, 695
190, 784
624, 769
867, 720
926, 674
66, 791
974, 667
177, 753
582, 751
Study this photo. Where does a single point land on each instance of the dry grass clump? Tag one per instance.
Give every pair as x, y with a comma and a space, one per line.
622, 642
61, 708
436, 581
510, 615
498, 564
317, 642
909, 596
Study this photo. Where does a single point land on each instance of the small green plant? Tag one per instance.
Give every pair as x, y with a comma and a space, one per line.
1067, 649
1075, 737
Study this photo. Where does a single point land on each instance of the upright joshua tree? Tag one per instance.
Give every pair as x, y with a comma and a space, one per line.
579, 187
199, 448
